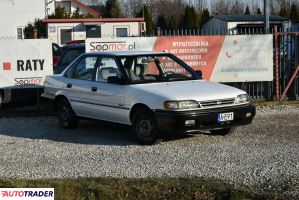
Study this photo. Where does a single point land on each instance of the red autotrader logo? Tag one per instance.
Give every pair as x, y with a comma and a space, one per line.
6, 66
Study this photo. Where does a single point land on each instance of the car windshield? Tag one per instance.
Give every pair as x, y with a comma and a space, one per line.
156, 68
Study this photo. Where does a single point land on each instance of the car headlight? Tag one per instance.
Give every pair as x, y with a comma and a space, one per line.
181, 105
242, 98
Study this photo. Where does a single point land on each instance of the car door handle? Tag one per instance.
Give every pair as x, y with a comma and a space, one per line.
94, 89
69, 85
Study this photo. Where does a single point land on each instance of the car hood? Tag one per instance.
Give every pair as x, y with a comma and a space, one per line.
199, 90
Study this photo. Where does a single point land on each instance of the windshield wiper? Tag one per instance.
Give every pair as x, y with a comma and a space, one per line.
181, 79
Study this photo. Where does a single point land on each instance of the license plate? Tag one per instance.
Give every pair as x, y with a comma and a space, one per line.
224, 117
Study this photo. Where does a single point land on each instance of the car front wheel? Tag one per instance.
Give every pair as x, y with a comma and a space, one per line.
145, 127
66, 116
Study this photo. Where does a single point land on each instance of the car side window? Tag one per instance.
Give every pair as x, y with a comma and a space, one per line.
85, 68
105, 68
70, 71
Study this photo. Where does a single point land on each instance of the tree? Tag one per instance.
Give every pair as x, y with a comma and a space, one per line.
61, 14
190, 19
173, 24
195, 18
77, 14
237, 8
161, 22
258, 11
29, 31
283, 12
221, 7
294, 13
247, 11
274, 6
37, 26
146, 14
205, 16
58, 14
131, 7
41, 28
112, 9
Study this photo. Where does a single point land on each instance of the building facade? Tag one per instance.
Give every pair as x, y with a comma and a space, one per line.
241, 24
16, 14
61, 31
70, 6
22, 12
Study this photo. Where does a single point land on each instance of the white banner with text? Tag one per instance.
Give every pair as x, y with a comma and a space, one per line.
25, 63
235, 58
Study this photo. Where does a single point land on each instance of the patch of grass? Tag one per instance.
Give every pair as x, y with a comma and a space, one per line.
164, 188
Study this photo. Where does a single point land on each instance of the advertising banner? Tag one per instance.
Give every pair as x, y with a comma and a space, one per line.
236, 58
25, 63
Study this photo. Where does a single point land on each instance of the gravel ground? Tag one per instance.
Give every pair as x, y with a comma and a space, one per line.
264, 153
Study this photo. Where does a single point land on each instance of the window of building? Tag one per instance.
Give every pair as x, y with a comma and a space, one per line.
20, 33
64, 4
121, 32
65, 35
93, 31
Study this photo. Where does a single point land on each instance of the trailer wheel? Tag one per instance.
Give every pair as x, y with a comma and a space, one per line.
1, 98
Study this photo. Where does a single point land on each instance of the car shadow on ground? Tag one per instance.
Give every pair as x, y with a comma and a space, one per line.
88, 132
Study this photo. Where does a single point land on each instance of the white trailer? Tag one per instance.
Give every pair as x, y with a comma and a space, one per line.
23, 65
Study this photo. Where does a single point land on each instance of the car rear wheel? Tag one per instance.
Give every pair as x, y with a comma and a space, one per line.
145, 127
221, 131
66, 116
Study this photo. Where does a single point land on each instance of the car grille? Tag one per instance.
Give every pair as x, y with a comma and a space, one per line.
217, 103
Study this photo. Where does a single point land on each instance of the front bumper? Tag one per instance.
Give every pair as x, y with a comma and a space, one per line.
174, 121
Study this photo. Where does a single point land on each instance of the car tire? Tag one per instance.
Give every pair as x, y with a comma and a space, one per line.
66, 116
145, 127
225, 131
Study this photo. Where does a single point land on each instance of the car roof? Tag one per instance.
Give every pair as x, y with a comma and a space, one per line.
73, 46
128, 53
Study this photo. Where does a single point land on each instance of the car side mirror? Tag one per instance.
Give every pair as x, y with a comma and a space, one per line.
115, 80
199, 73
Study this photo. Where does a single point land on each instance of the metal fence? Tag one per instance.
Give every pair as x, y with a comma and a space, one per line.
286, 60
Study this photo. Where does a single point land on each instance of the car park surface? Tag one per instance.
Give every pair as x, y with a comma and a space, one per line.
137, 88
261, 155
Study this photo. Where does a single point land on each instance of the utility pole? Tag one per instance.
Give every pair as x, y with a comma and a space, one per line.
267, 16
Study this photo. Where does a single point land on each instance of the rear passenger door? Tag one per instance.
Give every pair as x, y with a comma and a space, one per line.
78, 85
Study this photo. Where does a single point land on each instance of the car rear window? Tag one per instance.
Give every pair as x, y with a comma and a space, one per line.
71, 55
